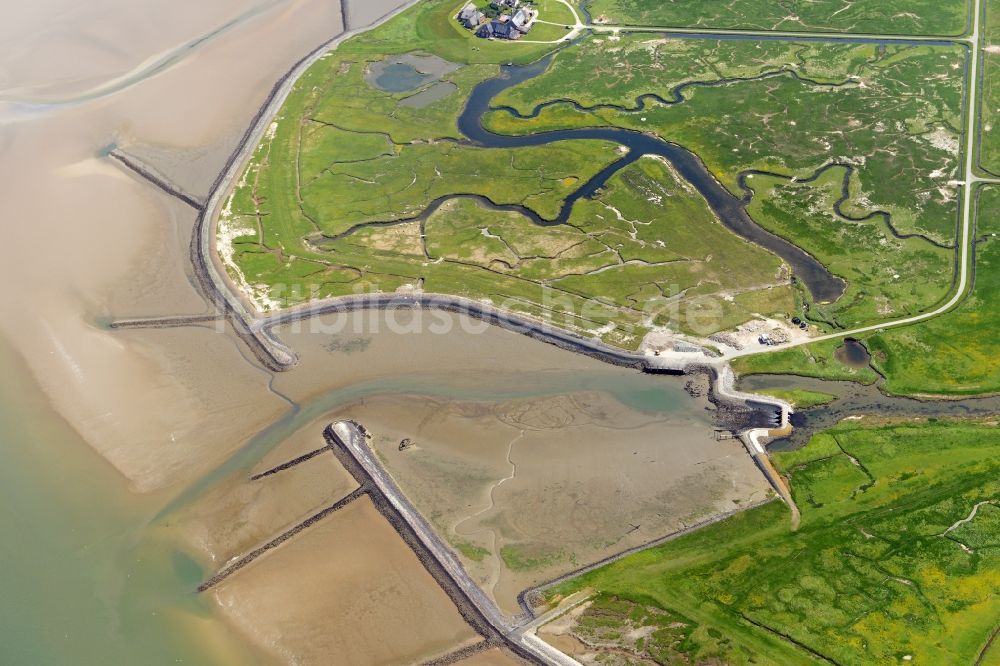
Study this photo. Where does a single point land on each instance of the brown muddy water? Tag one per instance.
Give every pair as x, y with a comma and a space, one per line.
853, 354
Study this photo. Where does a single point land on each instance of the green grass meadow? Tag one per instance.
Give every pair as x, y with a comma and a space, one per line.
874, 574
890, 17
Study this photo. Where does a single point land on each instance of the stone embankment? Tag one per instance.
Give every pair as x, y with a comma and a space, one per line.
289, 464
461, 654
211, 279
235, 566
155, 177
528, 598
165, 322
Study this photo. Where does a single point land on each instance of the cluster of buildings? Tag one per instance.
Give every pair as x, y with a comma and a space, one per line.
509, 19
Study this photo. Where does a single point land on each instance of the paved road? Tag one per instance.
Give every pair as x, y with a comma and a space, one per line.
771, 34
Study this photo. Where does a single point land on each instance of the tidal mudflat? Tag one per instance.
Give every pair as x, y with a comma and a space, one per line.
421, 351
479, 385
359, 594
248, 509
163, 406
529, 488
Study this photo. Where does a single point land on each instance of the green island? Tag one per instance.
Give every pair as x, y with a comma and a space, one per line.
801, 398
361, 187
896, 560
814, 360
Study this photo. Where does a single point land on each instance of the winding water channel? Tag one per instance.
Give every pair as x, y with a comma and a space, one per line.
731, 210
823, 285
856, 400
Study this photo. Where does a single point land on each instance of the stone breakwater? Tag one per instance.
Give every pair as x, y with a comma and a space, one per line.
150, 174
232, 568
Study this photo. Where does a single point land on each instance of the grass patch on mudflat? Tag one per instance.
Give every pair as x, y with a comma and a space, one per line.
875, 573
957, 353
528, 557
791, 109
891, 17
471, 551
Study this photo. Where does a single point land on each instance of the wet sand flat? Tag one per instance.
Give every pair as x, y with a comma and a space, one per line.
93, 242
359, 347
529, 489
359, 597
181, 423
241, 513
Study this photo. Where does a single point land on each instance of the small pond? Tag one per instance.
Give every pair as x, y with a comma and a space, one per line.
397, 74
429, 95
853, 354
